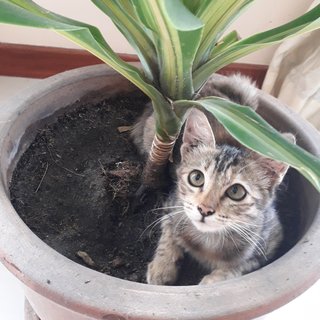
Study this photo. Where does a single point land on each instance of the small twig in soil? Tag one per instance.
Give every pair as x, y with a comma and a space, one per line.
102, 168
44, 174
122, 129
64, 168
86, 258
60, 166
115, 191
125, 209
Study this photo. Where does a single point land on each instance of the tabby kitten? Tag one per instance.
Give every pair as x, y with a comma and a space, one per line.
221, 210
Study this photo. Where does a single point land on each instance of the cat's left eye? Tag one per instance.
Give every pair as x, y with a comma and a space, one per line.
196, 178
236, 192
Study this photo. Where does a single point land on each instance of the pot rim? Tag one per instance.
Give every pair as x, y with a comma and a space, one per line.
89, 292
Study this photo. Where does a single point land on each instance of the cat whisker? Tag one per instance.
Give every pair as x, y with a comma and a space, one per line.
253, 225
245, 235
229, 234
245, 223
152, 225
252, 235
159, 211
222, 235
165, 208
178, 224
256, 235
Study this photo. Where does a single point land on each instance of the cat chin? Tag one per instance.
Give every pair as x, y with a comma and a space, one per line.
205, 227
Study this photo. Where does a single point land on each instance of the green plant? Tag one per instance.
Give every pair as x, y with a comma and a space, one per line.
180, 43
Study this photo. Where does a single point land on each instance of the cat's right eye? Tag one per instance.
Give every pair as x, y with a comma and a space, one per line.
236, 192
196, 178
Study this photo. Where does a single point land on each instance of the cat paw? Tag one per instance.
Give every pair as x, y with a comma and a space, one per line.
161, 272
140, 198
217, 276
209, 279
143, 195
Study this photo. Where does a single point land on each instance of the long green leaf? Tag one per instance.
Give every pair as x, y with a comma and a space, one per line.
133, 32
193, 5
127, 6
254, 132
27, 13
306, 23
216, 15
225, 42
177, 35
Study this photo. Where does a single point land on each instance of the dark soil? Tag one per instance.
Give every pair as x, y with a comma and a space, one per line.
74, 185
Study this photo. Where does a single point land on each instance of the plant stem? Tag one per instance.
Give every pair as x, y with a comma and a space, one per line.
154, 171
160, 150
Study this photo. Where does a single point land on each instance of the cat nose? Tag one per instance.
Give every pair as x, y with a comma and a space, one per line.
206, 211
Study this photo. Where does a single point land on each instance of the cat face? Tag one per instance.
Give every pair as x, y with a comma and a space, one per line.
217, 190
223, 187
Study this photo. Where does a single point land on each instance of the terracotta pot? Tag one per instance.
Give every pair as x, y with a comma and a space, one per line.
60, 289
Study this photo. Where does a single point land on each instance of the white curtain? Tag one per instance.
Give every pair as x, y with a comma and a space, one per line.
294, 75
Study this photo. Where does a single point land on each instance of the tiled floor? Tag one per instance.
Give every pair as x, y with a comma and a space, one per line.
11, 295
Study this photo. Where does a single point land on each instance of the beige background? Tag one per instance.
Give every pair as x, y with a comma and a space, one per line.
262, 15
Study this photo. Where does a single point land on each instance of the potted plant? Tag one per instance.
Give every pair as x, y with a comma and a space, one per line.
174, 40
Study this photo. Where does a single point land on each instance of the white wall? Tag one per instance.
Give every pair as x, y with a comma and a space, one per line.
262, 15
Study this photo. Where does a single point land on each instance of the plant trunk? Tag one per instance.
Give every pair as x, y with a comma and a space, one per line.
154, 175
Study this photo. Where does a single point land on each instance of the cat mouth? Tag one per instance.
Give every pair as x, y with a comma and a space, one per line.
204, 226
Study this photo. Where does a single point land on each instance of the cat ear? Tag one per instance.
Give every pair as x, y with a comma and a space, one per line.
276, 170
197, 131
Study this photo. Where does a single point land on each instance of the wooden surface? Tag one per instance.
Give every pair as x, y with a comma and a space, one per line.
40, 62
